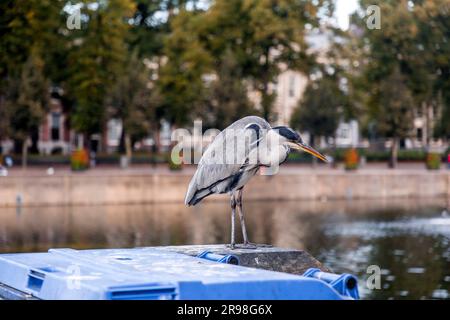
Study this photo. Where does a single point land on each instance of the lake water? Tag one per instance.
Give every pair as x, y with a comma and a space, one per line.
409, 240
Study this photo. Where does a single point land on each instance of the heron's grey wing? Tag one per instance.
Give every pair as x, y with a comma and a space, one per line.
225, 158
213, 170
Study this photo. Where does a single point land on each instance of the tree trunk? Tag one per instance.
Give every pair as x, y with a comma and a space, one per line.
128, 148
265, 102
17, 147
394, 153
158, 139
266, 97
121, 148
334, 148
34, 141
154, 148
88, 143
24, 154
80, 141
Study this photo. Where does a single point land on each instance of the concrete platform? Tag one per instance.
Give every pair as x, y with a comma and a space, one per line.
268, 258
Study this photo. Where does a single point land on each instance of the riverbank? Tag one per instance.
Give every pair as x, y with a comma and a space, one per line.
112, 186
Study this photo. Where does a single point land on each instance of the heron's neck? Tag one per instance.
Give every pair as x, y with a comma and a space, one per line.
275, 155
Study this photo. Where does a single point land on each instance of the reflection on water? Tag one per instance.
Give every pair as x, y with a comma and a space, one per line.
408, 239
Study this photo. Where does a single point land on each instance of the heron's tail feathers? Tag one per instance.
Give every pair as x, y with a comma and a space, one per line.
195, 197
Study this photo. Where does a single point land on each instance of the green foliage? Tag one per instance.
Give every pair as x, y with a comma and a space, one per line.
401, 67
413, 41
207, 59
260, 35
433, 21
26, 99
409, 155
442, 128
28, 26
320, 109
148, 30
403, 155
131, 99
180, 79
4, 123
391, 107
433, 161
277, 37
97, 54
28, 42
226, 97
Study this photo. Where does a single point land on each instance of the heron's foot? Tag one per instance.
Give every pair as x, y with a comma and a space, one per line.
251, 245
263, 245
248, 245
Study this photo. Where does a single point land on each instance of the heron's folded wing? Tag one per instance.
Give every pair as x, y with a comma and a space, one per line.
227, 155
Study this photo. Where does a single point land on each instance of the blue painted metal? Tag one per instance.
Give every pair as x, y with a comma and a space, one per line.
148, 273
229, 258
346, 284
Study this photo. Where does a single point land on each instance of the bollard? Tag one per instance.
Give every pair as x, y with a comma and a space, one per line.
346, 284
229, 259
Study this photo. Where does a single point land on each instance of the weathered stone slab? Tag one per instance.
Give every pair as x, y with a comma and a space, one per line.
269, 258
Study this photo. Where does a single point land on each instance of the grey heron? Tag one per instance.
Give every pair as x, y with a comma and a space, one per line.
226, 167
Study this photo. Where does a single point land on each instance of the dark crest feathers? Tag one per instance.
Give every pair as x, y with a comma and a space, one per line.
288, 133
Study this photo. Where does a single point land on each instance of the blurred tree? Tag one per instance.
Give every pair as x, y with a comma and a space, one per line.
433, 21
391, 109
264, 37
274, 37
226, 97
26, 102
393, 75
180, 80
132, 101
320, 109
4, 123
149, 26
27, 27
442, 128
97, 54
414, 42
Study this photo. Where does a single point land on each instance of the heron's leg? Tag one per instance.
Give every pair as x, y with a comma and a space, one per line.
247, 244
233, 216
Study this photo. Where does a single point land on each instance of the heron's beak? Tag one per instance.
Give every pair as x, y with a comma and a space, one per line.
308, 149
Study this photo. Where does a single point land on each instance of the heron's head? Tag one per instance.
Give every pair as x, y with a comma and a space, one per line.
293, 140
